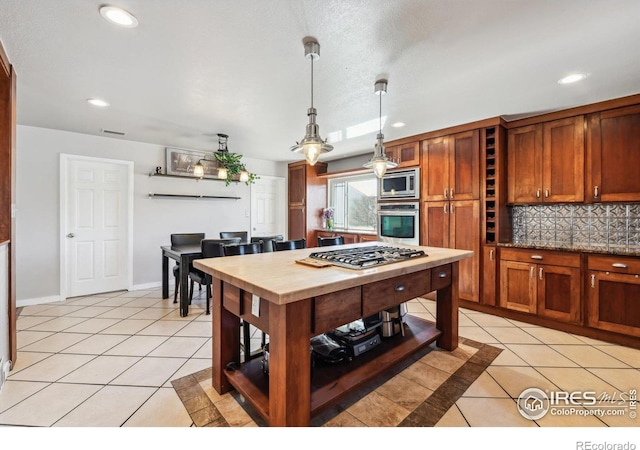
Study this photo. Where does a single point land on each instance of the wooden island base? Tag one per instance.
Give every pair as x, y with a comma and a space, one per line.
297, 302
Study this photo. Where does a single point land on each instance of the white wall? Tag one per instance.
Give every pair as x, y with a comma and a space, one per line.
37, 201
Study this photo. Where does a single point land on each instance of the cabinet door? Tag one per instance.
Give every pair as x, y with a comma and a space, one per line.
435, 224
297, 185
613, 302
464, 166
434, 170
464, 225
563, 160
613, 156
489, 263
349, 238
298, 224
408, 155
518, 286
368, 238
559, 293
524, 160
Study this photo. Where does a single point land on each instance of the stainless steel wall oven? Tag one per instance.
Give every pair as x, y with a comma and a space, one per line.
399, 223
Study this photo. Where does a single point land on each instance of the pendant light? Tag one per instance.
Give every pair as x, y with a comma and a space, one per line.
379, 162
312, 145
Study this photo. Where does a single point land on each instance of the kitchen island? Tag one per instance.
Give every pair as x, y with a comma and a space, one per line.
292, 302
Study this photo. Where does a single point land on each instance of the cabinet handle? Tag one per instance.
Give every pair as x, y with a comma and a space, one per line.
442, 275
399, 288
446, 208
540, 274
531, 271
593, 281
490, 255
537, 193
536, 257
620, 266
595, 192
451, 193
546, 193
453, 208
445, 193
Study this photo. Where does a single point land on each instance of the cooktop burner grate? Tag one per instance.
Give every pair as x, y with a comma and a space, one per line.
363, 257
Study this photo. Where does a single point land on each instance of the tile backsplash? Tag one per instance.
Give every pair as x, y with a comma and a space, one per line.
610, 227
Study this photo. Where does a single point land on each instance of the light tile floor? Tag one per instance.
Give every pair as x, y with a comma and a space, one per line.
108, 360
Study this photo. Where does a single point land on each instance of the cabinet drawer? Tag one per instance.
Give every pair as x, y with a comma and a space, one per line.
387, 293
540, 257
440, 277
616, 264
337, 308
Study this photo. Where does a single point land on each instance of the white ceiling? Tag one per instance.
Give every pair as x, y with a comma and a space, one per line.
195, 68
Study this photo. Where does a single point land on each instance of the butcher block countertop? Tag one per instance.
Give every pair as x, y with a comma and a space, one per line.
277, 278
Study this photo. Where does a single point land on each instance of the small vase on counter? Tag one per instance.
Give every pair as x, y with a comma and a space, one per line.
329, 224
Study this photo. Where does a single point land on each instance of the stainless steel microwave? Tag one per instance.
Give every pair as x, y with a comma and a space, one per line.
399, 184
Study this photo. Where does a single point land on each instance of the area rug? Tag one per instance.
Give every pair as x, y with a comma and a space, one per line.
416, 393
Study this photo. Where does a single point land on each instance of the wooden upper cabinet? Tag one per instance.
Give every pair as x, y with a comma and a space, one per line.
406, 155
563, 160
613, 155
297, 185
450, 168
546, 162
307, 197
524, 159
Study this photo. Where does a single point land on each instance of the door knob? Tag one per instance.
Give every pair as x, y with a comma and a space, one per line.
71, 235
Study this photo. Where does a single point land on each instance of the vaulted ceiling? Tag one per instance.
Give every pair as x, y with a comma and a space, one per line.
195, 68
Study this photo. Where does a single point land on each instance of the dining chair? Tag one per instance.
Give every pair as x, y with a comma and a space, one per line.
246, 249
275, 237
327, 241
211, 248
242, 249
295, 244
178, 239
243, 235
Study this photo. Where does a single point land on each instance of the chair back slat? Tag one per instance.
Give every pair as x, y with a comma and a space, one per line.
328, 241
295, 244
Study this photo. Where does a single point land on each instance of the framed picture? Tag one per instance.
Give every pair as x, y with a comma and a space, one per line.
181, 162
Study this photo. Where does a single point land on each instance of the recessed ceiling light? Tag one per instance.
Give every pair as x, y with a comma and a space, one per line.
119, 16
572, 78
97, 102
398, 124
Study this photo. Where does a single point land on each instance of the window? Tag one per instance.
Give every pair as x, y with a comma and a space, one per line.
354, 199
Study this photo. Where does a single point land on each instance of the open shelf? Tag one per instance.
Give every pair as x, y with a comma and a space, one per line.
196, 196
331, 383
187, 177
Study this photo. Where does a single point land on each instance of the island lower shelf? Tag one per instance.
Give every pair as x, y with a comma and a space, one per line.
329, 384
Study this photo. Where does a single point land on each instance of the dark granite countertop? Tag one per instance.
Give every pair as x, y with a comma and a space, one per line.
574, 249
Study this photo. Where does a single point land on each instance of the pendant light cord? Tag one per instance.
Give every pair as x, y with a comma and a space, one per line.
312, 81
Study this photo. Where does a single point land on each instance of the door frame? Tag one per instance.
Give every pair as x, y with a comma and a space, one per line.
65, 158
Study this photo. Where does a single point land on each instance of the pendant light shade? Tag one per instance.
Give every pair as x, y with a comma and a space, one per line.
312, 145
379, 162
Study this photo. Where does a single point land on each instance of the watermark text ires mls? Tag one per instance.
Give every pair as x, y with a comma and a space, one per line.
534, 404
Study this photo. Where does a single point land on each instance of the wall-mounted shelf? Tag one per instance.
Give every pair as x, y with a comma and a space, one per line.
186, 177
196, 196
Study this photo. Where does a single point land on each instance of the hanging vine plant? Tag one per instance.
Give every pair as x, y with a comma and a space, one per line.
236, 170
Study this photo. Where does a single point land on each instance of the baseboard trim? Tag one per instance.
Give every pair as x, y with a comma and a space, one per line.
144, 286
37, 301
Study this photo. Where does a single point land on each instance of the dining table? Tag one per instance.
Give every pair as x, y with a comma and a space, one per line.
185, 255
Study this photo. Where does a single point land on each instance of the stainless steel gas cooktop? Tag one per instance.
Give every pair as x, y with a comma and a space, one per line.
363, 257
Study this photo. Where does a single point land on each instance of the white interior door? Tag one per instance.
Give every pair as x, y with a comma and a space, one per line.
97, 225
268, 207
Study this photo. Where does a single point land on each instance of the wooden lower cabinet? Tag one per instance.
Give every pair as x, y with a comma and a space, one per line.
534, 282
349, 238
489, 273
613, 294
455, 225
